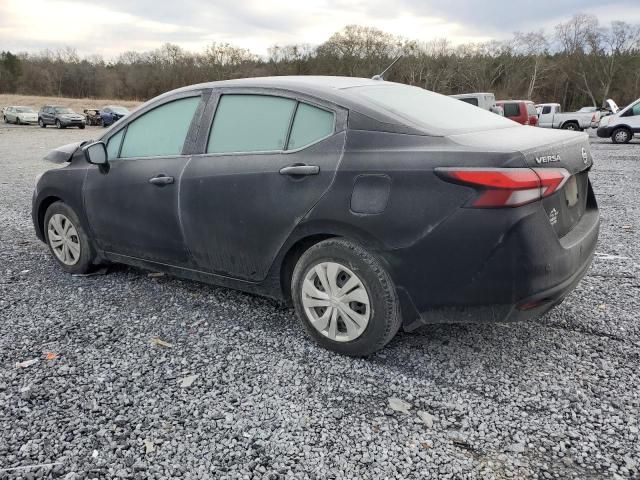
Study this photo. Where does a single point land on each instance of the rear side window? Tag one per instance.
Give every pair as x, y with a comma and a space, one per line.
160, 132
511, 109
310, 125
250, 123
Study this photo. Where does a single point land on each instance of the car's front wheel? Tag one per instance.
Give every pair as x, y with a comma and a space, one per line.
58, 124
67, 240
344, 298
621, 135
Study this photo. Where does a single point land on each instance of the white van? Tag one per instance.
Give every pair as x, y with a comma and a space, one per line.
621, 126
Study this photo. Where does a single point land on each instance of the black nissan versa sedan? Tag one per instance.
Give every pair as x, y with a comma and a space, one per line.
370, 205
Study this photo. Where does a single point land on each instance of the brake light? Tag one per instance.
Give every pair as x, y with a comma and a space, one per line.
507, 187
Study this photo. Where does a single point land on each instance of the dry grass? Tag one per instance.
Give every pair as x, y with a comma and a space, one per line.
77, 104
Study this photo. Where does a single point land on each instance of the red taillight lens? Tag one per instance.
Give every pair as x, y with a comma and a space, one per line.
507, 187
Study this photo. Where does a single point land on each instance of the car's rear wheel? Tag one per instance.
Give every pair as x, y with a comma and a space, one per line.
41, 123
67, 240
621, 135
6, 120
571, 126
344, 298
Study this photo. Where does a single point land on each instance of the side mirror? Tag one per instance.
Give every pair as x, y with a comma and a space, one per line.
95, 153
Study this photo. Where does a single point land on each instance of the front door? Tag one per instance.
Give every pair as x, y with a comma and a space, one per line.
132, 205
268, 161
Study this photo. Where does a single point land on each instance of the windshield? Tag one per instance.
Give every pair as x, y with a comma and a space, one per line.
429, 109
63, 110
24, 110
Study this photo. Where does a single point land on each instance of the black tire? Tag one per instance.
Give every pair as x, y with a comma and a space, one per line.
5, 119
82, 127
571, 126
87, 256
58, 124
385, 318
18, 122
41, 123
621, 135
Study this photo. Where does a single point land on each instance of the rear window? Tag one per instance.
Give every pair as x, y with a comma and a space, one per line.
429, 109
511, 109
531, 109
472, 101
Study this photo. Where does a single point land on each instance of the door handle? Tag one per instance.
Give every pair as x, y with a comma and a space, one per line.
161, 180
300, 170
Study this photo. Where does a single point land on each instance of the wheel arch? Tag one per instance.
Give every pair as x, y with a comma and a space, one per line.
43, 206
304, 238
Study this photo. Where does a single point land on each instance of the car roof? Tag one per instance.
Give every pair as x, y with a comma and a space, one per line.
332, 89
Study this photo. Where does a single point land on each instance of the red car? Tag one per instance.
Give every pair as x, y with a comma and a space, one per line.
521, 111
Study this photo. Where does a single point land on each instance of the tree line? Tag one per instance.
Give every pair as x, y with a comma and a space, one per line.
579, 63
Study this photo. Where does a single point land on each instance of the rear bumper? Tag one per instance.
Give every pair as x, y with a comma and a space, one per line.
484, 274
72, 123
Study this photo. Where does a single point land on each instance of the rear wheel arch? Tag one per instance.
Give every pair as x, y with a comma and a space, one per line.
291, 257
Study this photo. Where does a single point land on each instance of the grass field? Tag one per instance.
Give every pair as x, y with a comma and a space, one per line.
77, 104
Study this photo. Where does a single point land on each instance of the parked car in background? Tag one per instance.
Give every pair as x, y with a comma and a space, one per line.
369, 205
521, 111
112, 113
622, 125
486, 101
92, 116
20, 115
61, 117
550, 116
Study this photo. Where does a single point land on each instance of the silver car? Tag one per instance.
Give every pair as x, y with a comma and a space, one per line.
20, 115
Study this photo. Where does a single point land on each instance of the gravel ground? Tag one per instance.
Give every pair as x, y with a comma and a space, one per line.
241, 393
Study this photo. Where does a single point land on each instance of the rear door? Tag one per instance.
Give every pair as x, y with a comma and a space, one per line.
266, 159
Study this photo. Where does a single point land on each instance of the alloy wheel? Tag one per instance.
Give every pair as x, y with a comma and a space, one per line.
336, 301
63, 239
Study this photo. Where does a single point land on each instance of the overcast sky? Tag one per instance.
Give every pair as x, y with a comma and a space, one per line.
111, 27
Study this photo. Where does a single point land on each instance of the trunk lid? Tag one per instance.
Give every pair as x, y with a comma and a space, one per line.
546, 148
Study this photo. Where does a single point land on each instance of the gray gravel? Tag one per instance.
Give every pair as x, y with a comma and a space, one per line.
239, 392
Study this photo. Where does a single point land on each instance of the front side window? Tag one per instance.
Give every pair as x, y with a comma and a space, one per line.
161, 131
310, 125
113, 145
546, 110
250, 123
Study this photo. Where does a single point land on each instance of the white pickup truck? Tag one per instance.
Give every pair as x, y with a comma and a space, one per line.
550, 116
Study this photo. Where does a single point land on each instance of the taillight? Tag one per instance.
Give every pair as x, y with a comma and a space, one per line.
507, 187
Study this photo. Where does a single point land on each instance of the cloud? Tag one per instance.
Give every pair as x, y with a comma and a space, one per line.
118, 25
